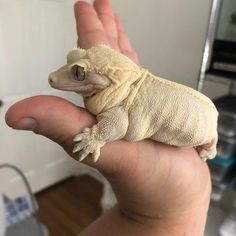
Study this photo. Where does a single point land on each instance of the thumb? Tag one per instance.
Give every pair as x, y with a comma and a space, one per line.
50, 116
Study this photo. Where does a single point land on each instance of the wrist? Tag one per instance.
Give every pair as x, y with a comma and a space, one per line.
116, 222
190, 221
186, 223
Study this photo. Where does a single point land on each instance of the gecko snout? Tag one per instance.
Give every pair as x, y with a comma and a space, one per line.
51, 79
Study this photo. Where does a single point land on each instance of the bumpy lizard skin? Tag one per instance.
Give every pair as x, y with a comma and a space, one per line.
131, 103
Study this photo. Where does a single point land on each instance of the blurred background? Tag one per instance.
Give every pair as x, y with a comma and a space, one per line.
189, 42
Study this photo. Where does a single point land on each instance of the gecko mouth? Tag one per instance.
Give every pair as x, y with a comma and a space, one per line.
72, 88
68, 87
85, 90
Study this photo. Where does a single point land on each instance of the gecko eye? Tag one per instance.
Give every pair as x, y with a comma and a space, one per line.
78, 73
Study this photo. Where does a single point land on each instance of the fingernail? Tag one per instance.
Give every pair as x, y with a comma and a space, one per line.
25, 124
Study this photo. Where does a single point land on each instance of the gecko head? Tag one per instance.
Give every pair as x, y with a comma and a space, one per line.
77, 77
89, 71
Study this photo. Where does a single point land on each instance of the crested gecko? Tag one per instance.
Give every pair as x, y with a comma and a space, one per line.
131, 103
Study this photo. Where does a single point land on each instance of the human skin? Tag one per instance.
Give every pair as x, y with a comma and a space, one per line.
161, 190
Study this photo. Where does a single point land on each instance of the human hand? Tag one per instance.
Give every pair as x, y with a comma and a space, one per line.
161, 190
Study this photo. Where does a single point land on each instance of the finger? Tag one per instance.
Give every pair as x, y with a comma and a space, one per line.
124, 43
89, 28
107, 17
53, 117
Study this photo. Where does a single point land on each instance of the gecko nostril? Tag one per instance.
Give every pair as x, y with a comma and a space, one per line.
50, 80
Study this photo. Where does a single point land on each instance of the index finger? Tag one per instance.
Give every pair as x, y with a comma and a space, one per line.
89, 28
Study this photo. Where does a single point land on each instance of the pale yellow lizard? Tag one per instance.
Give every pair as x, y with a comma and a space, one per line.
131, 103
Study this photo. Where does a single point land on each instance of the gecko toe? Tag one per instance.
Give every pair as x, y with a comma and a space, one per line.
78, 147
82, 156
96, 155
78, 138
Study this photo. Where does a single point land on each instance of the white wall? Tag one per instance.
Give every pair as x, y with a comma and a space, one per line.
34, 39
35, 36
168, 34
169, 37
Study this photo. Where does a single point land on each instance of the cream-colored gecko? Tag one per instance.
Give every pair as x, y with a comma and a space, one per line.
131, 103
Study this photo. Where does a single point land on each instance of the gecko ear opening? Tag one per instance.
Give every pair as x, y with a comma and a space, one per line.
75, 55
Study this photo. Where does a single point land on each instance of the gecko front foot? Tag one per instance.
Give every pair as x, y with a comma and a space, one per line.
87, 144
